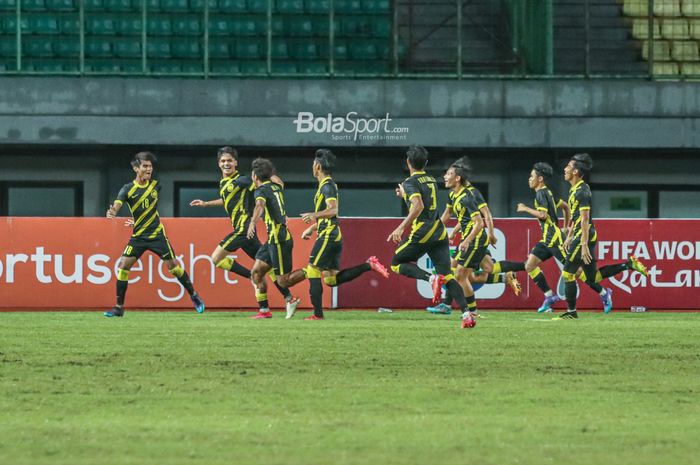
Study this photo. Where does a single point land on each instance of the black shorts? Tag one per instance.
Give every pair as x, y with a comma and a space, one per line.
236, 240
158, 245
472, 257
325, 254
573, 260
438, 251
278, 256
544, 253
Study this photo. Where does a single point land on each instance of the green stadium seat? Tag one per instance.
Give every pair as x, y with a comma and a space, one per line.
130, 66
67, 47
675, 29
635, 7
280, 49
356, 27
300, 27
219, 26
376, 6
640, 29
665, 68
36, 47
185, 49
225, 67
94, 5
695, 28
381, 27
284, 67
667, 8
183, 26
166, 67
312, 67
321, 26
130, 25
121, 5
98, 48
691, 9
127, 48
192, 67
685, 50
61, 5
197, 6
690, 69
44, 66
232, 6
290, 6
219, 49
158, 48
100, 26
245, 27
69, 25
10, 24
43, 24
304, 51
8, 46
102, 66
258, 6
8, 5
363, 50
174, 6
348, 6
662, 50
159, 26
318, 6
249, 49
279, 25
340, 50
253, 67
152, 6
33, 5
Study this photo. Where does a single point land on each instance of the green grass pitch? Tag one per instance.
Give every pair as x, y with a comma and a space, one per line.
358, 388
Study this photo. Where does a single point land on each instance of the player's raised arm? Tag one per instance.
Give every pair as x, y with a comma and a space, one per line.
277, 180
539, 214
207, 203
415, 210
113, 209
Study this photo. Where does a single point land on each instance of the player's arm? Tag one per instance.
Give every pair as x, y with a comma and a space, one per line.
540, 213
486, 212
478, 226
113, 209
413, 213
446, 215
567, 213
330, 212
308, 232
585, 222
207, 203
255, 217
277, 180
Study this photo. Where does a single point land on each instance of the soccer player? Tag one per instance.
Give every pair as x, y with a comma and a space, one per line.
324, 261
236, 196
276, 254
141, 196
581, 240
428, 234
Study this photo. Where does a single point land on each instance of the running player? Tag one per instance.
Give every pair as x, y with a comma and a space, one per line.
236, 196
428, 234
141, 196
581, 240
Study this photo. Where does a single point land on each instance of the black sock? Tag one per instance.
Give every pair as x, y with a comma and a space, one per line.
348, 274
412, 271
570, 292
456, 291
495, 278
240, 270
471, 302
284, 291
316, 293
506, 266
448, 297
121, 292
595, 286
541, 282
612, 270
185, 281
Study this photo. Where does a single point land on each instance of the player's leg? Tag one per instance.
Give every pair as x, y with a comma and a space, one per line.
539, 254
632, 263
314, 275
439, 253
403, 261
493, 274
223, 260
572, 263
131, 254
164, 250
263, 264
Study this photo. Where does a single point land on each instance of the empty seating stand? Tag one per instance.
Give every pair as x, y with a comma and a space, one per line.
675, 33
175, 30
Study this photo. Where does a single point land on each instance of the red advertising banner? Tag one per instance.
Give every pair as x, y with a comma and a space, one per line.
669, 248
69, 263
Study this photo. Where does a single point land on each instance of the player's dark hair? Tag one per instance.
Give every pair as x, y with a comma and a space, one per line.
462, 168
141, 157
263, 169
543, 169
583, 163
227, 149
417, 156
326, 160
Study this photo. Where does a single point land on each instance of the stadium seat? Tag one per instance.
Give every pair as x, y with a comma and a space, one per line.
102, 66
690, 8
121, 5
363, 50
158, 48
685, 50
94, 5
376, 6
640, 29
340, 50
129, 66
690, 68
667, 7
662, 50
253, 67
127, 48
312, 67
8, 5
130, 25
245, 27
61, 5
166, 67
100, 26
665, 68
98, 48
8, 46
249, 49
317, 6
43, 24
174, 6
321, 26
304, 51
284, 67
695, 28
192, 66
219, 26
290, 6
185, 49
37, 47
69, 25
9, 25
280, 49
186, 26
67, 47
299, 27
232, 6
258, 6
225, 68
348, 6
219, 48
33, 5
197, 6
356, 27
159, 26
152, 6
49, 66
635, 7
381, 27
675, 29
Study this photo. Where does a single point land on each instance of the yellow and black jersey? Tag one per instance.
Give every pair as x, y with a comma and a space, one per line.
580, 199
236, 192
478, 197
464, 206
545, 202
143, 203
275, 216
327, 190
427, 227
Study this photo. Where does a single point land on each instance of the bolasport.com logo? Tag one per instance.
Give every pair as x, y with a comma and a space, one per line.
350, 127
